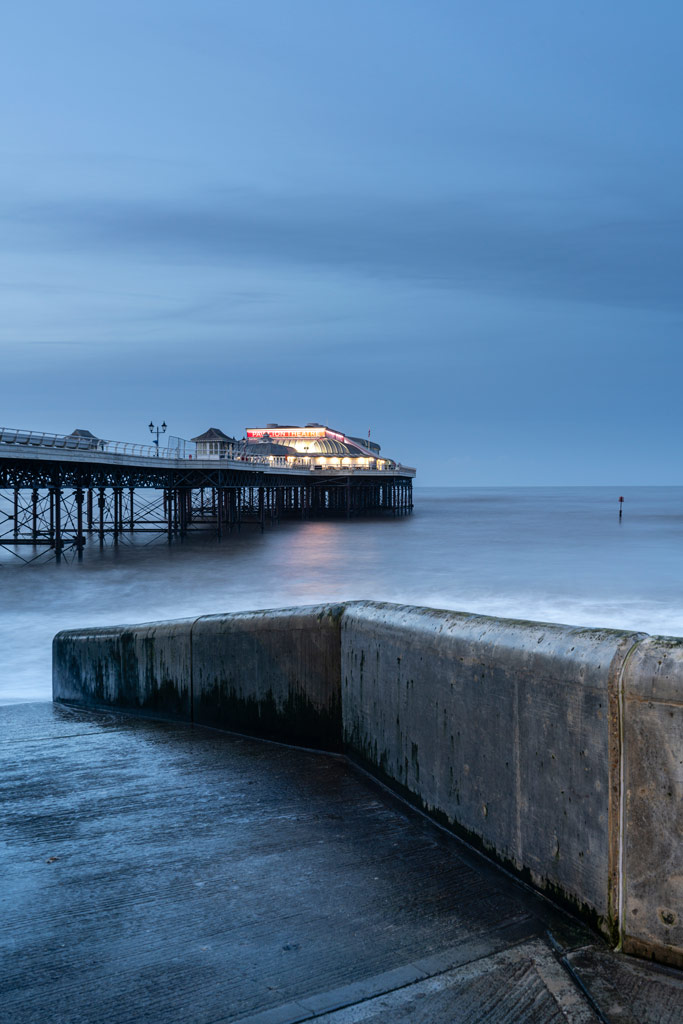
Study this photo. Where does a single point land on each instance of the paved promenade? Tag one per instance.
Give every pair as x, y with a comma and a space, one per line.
159, 873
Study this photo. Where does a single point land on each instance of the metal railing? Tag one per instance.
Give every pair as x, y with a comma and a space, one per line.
96, 445
179, 450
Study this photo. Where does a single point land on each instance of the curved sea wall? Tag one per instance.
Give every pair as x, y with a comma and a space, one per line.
557, 750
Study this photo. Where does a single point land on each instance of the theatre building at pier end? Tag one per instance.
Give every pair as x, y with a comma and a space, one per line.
318, 445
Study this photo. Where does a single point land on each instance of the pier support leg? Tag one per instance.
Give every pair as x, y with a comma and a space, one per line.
80, 538
51, 528
100, 506
169, 513
57, 496
34, 513
117, 513
181, 498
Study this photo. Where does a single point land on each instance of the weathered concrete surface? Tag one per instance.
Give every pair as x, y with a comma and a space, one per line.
86, 667
163, 873
144, 668
653, 796
524, 984
274, 673
629, 991
501, 728
156, 668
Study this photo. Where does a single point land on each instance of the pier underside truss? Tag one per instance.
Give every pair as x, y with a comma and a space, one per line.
52, 511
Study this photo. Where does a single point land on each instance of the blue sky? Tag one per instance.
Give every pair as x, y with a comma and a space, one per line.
457, 224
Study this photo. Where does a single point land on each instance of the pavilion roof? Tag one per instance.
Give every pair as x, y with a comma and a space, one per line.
213, 434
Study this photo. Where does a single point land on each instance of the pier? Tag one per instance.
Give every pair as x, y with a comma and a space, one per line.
61, 492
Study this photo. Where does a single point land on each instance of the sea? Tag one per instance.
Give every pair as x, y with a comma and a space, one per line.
559, 554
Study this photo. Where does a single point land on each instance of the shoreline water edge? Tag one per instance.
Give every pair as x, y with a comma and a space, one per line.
548, 554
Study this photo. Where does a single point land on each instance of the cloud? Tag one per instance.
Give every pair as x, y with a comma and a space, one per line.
543, 247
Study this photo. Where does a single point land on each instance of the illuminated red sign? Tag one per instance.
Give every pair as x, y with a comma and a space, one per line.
275, 432
300, 432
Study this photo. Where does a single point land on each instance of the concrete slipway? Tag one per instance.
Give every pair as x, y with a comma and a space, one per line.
160, 872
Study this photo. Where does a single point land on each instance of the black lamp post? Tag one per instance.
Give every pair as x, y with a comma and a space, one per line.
157, 431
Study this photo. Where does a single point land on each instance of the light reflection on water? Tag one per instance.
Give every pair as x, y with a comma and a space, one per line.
556, 554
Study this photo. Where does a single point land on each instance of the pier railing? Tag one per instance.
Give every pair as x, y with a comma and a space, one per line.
71, 442
35, 439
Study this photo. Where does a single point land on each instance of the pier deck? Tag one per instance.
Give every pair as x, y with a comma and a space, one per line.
163, 873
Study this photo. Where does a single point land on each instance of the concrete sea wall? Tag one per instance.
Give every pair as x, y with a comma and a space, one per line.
500, 728
652, 800
557, 750
273, 673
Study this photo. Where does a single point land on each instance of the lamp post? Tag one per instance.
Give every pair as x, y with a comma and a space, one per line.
157, 431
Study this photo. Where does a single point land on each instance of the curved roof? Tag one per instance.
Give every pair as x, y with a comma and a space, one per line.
328, 446
266, 446
366, 443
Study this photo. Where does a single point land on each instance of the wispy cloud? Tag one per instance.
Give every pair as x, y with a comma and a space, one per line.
549, 248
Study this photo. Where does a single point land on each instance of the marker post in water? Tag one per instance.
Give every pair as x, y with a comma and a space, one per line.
621, 506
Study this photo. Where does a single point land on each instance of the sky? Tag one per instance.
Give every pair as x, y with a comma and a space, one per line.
455, 224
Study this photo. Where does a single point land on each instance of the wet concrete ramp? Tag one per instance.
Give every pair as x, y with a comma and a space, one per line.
162, 873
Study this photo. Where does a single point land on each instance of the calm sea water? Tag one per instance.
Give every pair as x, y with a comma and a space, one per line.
555, 554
